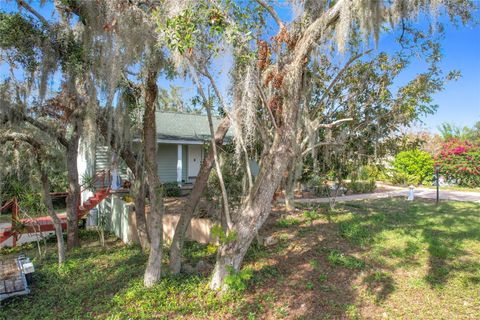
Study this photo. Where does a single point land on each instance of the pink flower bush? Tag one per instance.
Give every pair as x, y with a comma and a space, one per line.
459, 161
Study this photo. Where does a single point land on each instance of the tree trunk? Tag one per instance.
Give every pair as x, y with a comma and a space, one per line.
141, 221
289, 189
295, 173
193, 200
73, 199
254, 211
154, 264
47, 200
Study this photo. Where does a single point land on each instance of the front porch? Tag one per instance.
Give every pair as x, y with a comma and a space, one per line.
179, 161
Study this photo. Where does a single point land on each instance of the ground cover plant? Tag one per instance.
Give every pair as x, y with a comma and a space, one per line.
367, 259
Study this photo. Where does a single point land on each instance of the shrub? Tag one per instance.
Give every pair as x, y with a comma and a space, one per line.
412, 167
316, 184
171, 189
402, 178
361, 186
459, 161
369, 172
232, 177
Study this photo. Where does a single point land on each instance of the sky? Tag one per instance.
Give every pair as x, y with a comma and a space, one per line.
458, 103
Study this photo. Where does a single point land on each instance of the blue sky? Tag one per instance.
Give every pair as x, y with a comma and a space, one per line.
459, 103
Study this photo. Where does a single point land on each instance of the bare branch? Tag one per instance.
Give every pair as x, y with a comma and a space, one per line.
272, 12
334, 123
29, 8
205, 72
314, 125
264, 102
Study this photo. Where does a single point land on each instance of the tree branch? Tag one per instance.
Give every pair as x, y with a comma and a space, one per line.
272, 12
340, 73
315, 126
334, 123
205, 72
25, 5
264, 102
314, 31
41, 126
14, 136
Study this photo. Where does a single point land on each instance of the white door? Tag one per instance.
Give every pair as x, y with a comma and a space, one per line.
194, 160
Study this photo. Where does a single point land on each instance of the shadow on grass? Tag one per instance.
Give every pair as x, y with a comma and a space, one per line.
388, 235
313, 271
444, 230
302, 276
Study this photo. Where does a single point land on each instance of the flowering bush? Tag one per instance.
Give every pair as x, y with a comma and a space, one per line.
459, 162
412, 167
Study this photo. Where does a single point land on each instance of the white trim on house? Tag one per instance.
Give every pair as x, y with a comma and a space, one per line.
179, 163
167, 141
180, 141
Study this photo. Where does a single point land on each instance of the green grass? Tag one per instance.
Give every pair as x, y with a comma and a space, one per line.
107, 283
338, 258
288, 222
366, 259
416, 251
322, 278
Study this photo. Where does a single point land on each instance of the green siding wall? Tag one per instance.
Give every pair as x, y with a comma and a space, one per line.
166, 157
167, 162
103, 157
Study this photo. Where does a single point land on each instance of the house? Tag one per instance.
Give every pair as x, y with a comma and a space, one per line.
181, 145
182, 139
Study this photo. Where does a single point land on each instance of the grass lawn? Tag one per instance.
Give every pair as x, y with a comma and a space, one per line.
368, 259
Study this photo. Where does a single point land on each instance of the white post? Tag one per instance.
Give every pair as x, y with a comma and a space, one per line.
411, 193
179, 164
